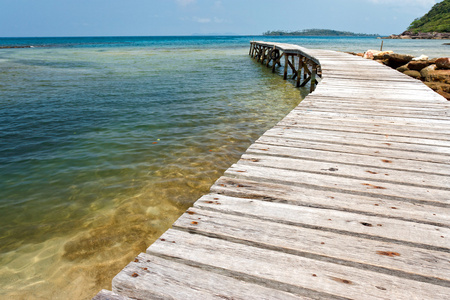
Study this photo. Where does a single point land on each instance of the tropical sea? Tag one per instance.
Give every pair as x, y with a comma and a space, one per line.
106, 141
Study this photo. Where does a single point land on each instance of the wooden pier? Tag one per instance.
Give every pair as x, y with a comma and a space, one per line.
346, 198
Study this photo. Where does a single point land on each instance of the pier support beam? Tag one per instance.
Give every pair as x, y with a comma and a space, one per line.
306, 66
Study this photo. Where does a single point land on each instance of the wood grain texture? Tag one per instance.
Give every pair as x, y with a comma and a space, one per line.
393, 230
108, 295
300, 274
347, 197
153, 277
336, 200
404, 261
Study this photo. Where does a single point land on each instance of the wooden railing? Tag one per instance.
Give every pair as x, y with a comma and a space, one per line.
304, 67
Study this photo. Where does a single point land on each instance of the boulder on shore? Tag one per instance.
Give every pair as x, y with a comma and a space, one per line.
375, 54
412, 73
422, 57
444, 94
438, 86
424, 72
418, 65
398, 60
443, 63
438, 76
403, 68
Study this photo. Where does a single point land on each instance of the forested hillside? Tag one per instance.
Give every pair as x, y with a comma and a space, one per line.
436, 20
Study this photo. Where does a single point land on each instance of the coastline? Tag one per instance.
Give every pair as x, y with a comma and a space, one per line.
408, 35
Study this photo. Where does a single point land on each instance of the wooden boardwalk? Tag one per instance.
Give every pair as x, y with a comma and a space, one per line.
346, 198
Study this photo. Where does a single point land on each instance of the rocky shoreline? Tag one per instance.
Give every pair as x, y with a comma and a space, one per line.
420, 35
434, 72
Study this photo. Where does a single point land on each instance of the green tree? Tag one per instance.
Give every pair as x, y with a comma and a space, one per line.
436, 20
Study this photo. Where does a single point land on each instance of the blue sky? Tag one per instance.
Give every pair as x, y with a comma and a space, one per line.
30, 18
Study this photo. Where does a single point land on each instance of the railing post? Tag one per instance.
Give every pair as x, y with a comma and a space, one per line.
300, 66
263, 56
286, 63
258, 55
313, 78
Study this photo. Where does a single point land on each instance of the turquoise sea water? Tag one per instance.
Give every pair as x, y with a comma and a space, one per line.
105, 141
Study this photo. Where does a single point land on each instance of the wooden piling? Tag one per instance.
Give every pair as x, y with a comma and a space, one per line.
300, 69
286, 62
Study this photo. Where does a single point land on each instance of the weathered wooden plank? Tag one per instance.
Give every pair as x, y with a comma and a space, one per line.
408, 124
395, 128
348, 185
388, 80
286, 271
367, 147
108, 295
370, 71
355, 103
415, 134
152, 277
424, 114
373, 117
341, 201
361, 105
376, 85
382, 140
394, 259
377, 103
374, 95
382, 103
360, 69
346, 154
349, 170
378, 228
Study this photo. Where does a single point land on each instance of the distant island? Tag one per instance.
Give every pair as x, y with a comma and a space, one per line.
316, 32
435, 24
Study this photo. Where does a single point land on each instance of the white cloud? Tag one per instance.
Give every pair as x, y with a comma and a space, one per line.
202, 20
406, 2
185, 2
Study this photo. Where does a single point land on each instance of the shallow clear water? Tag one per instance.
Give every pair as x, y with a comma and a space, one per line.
104, 142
